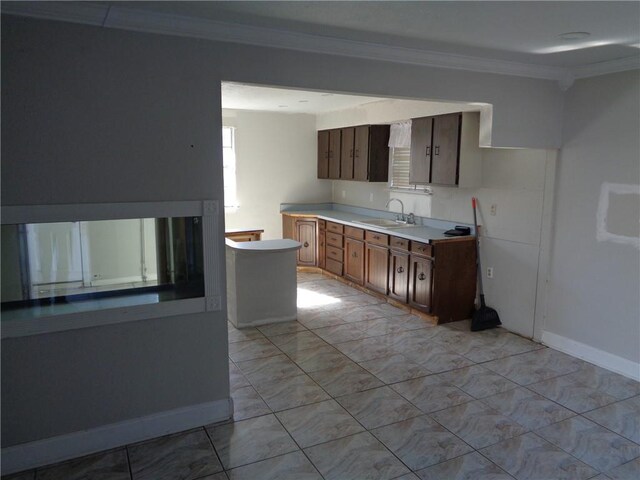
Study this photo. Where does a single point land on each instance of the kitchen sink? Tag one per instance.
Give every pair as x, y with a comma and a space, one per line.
384, 223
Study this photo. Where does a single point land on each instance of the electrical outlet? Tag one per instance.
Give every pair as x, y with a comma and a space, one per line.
489, 272
344, 194
494, 207
371, 197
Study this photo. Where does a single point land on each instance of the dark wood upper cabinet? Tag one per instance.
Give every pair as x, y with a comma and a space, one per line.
361, 153
323, 154
435, 150
446, 149
356, 153
347, 153
421, 136
334, 153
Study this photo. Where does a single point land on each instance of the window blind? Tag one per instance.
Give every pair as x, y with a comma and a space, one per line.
400, 167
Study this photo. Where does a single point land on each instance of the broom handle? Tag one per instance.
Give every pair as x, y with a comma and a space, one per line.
475, 224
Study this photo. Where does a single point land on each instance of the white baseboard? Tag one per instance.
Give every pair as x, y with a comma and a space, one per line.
63, 447
593, 355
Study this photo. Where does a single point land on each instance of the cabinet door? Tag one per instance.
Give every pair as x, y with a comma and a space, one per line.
321, 248
306, 231
421, 136
288, 227
399, 276
420, 281
334, 153
346, 153
361, 154
323, 154
354, 260
446, 147
377, 268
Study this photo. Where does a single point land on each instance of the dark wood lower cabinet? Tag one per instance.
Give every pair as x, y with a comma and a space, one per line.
403, 270
377, 268
354, 260
420, 282
306, 235
322, 241
399, 276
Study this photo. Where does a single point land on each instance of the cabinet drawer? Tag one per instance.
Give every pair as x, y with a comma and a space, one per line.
334, 267
334, 239
334, 253
377, 238
335, 227
322, 224
399, 243
354, 232
422, 249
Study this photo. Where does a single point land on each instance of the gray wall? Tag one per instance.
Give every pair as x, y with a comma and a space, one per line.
594, 285
70, 381
99, 115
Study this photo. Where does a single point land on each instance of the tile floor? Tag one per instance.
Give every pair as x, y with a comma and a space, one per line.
357, 389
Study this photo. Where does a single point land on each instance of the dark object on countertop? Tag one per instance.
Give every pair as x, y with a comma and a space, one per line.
484, 317
458, 231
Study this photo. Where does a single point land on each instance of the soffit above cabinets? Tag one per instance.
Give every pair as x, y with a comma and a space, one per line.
512, 38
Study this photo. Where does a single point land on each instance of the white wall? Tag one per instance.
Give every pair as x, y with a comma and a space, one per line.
513, 179
594, 285
276, 162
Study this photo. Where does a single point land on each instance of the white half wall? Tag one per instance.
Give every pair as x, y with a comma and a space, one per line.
594, 284
276, 162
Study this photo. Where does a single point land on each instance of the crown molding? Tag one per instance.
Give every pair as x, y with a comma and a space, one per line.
611, 66
75, 12
125, 18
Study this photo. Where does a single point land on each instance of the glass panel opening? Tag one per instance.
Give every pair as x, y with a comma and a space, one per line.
67, 267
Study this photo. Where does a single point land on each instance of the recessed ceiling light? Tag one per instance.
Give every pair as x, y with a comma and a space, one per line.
574, 35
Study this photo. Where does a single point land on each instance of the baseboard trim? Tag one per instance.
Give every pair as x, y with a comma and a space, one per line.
64, 447
593, 355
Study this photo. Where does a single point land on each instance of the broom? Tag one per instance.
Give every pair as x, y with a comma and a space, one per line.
484, 317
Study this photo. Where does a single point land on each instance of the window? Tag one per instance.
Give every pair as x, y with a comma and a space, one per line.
66, 267
400, 167
229, 167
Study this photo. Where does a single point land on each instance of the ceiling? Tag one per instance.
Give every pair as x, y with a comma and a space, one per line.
254, 97
507, 37
240, 96
516, 31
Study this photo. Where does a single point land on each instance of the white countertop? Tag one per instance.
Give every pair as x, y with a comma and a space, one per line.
279, 245
416, 233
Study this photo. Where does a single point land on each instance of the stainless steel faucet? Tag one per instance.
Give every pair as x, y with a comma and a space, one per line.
400, 217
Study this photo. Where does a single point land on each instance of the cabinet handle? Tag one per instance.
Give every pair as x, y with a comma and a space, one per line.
376, 237
400, 269
422, 276
437, 150
351, 152
306, 244
357, 153
428, 150
354, 254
